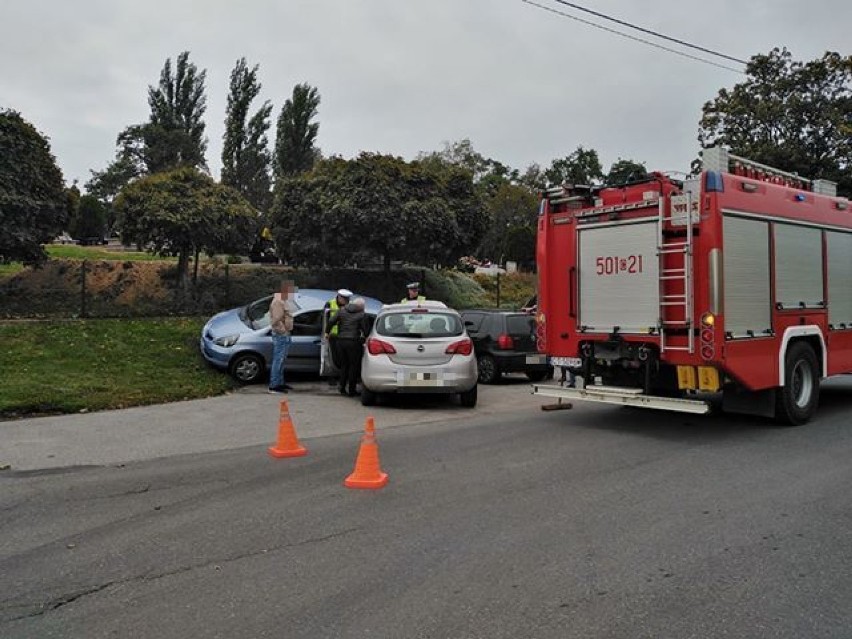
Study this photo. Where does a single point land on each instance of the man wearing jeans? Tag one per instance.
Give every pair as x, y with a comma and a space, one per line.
281, 322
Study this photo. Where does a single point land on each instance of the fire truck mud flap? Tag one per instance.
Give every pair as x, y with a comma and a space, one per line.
621, 397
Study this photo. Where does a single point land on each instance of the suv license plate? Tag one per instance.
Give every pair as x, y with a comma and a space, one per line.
536, 359
570, 362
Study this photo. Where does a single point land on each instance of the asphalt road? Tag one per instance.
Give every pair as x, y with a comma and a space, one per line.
596, 522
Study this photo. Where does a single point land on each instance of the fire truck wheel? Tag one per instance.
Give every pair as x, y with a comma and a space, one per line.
797, 400
489, 372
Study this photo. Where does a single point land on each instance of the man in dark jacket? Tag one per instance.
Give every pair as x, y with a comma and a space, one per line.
331, 307
352, 327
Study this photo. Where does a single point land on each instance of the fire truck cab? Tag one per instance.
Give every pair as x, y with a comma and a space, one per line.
660, 292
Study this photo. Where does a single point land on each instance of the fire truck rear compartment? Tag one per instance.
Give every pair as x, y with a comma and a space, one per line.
619, 279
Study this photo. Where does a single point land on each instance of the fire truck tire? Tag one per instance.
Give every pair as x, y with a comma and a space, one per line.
489, 371
797, 400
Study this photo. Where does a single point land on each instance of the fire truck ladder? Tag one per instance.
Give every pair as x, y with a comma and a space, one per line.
676, 269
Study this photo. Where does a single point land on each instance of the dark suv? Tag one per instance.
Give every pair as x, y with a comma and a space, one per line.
505, 342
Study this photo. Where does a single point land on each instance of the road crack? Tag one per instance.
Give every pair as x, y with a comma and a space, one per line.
42, 608
245, 555
58, 602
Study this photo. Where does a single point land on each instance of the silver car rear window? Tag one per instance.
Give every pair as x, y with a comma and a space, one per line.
419, 325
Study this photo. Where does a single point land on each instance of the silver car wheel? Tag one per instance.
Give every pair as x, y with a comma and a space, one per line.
247, 368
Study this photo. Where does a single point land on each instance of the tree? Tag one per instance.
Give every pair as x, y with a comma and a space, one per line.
91, 218
519, 245
175, 132
796, 116
624, 171
487, 174
533, 179
107, 184
580, 167
185, 211
33, 199
377, 206
511, 207
172, 137
295, 150
508, 195
245, 152
72, 204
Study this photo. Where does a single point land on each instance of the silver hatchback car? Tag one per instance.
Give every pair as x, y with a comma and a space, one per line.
418, 347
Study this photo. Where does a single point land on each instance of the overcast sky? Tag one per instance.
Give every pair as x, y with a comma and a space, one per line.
398, 77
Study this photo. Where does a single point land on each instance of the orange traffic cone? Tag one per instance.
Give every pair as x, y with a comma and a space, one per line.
368, 472
287, 445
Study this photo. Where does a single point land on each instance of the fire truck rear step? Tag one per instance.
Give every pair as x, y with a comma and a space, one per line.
622, 397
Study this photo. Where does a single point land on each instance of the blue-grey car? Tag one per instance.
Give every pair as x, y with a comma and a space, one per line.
239, 341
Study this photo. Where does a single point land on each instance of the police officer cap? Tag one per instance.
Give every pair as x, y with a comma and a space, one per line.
344, 292
414, 285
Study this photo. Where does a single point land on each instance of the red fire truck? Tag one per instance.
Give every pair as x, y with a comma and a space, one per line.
658, 292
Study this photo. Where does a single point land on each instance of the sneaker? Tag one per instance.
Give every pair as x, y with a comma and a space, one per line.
278, 390
287, 387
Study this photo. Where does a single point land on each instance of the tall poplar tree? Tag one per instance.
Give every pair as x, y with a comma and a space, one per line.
295, 150
245, 152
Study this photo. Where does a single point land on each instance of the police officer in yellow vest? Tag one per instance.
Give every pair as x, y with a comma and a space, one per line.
330, 309
413, 294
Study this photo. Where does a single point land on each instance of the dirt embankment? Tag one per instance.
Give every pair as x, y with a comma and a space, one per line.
101, 288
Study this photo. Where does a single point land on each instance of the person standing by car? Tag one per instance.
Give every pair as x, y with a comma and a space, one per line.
331, 307
353, 327
413, 294
281, 323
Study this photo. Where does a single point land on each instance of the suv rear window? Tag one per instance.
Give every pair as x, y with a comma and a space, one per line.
419, 325
521, 325
473, 321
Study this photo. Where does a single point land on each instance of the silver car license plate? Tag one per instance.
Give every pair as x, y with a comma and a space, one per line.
536, 359
420, 378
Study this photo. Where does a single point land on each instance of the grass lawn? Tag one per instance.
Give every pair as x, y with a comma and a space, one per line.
66, 367
10, 269
74, 252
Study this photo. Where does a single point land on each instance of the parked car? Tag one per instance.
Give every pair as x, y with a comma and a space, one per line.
239, 340
94, 241
505, 342
418, 347
64, 238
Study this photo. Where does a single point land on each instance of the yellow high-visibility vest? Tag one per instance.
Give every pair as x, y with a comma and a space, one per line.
333, 307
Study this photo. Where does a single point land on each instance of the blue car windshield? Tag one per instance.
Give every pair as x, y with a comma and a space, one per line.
419, 325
